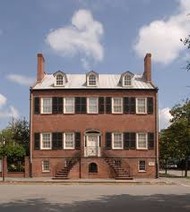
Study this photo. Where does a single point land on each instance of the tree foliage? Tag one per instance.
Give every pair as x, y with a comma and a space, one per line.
175, 140
186, 42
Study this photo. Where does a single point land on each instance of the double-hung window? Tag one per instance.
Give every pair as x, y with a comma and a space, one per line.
117, 140
46, 141
141, 140
45, 166
127, 80
92, 105
141, 105
142, 166
69, 140
46, 104
117, 105
92, 80
69, 105
59, 80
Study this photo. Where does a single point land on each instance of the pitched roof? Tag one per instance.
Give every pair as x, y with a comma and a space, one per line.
106, 81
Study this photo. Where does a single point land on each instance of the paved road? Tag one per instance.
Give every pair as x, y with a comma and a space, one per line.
92, 198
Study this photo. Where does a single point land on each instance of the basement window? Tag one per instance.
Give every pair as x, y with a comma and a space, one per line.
45, 166
93, 168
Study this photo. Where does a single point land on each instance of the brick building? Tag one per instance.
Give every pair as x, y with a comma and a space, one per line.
94, 125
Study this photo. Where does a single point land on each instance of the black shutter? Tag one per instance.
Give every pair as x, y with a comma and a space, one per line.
101, 105
150, 105
100, 142
83, 104
57, 105
57, 142
36, 105
77, 140
126, 140
126, 104
108, 140
150, 140
132, 140
36, 141
108, 105
132, 105
77, 105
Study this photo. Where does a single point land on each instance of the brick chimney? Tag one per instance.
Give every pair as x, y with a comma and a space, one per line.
147, 68
40, 67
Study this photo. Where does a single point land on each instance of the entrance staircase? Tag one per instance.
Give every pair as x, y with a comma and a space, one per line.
119, 167
63, 173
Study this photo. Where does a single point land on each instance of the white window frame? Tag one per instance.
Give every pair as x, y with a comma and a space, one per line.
137, 105
64, 140
71, 105
58, 81
146, 140
42, 105
113, 140
1, 164
113, 104
127, 80
89, 81
44, 166
41, 141
89, 105
139, 166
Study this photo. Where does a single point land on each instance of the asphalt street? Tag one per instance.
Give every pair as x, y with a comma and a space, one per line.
95, 197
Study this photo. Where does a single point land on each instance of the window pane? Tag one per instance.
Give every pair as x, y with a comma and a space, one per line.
142, 140
59, 80
127, 80
47, 105
141, 105
45, 166
142, 166
92, 105
69, 140
92, 80
69, 105
46, 141
117, 105
117, 141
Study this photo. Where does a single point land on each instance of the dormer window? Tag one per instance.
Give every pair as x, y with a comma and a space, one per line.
92, 79
126, 79
60, 78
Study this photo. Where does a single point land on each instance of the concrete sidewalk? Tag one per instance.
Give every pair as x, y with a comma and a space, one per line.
46, 180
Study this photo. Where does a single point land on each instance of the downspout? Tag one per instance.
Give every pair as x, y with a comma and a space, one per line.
31, 130
156, 135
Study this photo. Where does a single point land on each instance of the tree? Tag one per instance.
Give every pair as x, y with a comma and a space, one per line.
186, 42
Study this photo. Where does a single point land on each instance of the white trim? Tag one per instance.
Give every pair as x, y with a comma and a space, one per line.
137, 106
88, 105
64, 140
113, 147
137, 141
123, 80
42, 105
64, 105
144, 170
115, 112
88, 81
41, 141
63, 78
45, 170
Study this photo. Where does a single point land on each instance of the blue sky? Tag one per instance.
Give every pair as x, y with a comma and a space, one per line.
108, 36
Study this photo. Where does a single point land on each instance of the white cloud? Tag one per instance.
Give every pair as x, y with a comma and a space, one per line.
162, 37
82, 37
164, 117
3, 100
6, 110
20, 79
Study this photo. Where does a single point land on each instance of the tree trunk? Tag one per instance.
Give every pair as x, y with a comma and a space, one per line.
186, 166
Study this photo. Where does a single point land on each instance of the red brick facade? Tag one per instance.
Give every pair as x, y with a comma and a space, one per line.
107, 162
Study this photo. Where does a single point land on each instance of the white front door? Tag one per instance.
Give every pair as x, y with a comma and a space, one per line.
92, 145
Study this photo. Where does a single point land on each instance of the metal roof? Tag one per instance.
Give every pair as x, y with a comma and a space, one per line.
105, 81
